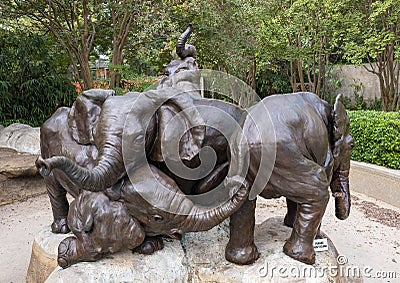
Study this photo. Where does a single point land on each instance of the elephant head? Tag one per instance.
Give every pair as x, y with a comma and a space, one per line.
155, 200
183, 73
126, 115
100, 227
343, 144
84, 114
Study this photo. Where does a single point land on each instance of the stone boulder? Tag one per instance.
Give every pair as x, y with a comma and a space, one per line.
21, 137
19, 178
198, 257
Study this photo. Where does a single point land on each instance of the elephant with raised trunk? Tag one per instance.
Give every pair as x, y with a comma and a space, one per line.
83, 144
103, 226
111, 137
312, 152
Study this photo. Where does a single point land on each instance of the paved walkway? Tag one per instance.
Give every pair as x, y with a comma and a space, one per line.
369, 238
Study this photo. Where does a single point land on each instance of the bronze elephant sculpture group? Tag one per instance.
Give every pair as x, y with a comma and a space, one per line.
114, 155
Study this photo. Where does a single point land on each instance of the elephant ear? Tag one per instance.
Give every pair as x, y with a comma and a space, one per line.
339, 124
169, 128
178, 121
84, 114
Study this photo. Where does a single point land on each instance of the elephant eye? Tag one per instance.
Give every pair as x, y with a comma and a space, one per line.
158, 218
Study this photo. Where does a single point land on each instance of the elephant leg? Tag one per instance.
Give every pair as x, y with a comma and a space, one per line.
241, 248
291, 213
150, 245
305, 228
59, 205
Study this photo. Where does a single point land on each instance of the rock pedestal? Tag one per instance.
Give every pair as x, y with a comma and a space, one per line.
198, 257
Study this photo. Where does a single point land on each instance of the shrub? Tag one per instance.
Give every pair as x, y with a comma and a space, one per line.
31, 87
377, 137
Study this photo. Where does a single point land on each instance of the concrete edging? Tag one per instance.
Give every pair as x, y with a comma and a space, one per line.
376, 181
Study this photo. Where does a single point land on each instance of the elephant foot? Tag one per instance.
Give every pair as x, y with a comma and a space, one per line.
67, 252
301, 251
289, 220
60, 226
242, 256
71, 250
150, 245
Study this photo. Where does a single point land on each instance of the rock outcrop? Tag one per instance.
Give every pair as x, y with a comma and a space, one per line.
19, 148
198, 257
21, 137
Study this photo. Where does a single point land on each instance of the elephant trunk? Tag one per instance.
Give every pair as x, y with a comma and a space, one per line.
180, 45
341, 192
110, 169
202, 219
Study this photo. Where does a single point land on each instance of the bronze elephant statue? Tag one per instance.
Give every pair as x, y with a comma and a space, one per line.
102, 226
115, 158
312, 147
69, 133
307, 163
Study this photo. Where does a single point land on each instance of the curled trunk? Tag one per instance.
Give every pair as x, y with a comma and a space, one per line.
202, 219
155, 200
184, 50
102, 176
109, 166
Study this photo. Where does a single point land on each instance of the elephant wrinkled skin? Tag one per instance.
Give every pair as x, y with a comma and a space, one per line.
292, 145
103, 226
313, 148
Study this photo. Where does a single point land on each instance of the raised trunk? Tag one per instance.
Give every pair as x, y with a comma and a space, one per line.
180, 45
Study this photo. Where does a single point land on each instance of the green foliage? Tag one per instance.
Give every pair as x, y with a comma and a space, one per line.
373, 37
377, 137
303, 34
271, 81
357, 103
30, 86
138, 84
224, 32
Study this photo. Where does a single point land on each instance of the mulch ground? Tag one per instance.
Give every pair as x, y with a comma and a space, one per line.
382, 215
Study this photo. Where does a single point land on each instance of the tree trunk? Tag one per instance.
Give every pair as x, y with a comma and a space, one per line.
251, 74
292, 76
86, 73
122, 22
115, 76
